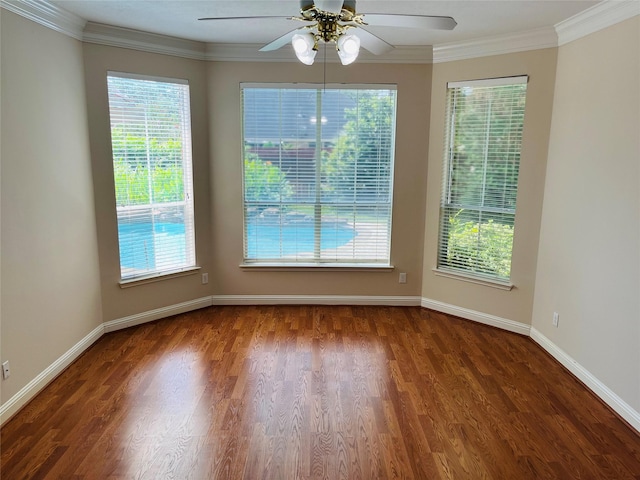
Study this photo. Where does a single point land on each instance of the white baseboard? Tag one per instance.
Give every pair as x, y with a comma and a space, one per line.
479, 317
157, 314
31, 389
600, 389
315, 300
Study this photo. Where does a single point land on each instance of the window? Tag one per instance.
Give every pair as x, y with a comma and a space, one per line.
151, 144
482, 157
318, 174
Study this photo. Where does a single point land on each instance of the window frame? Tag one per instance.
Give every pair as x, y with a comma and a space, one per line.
444, 268
185, 205
318, 262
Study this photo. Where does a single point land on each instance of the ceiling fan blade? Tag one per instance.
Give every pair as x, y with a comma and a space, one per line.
333, 6
282, 41
246, 18
410, 21
369, 41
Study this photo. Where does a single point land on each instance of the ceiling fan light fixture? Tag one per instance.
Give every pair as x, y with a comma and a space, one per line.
348, 48
304, 46
330, 20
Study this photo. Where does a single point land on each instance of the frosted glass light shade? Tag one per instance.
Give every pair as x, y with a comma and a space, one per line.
348, 48
303, 46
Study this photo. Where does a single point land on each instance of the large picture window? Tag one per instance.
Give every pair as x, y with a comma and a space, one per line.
482, 159
318, 173
151, 144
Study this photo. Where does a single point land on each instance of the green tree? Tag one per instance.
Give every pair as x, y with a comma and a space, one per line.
264, 182
134, 158
486, 147
359, 165
147, 127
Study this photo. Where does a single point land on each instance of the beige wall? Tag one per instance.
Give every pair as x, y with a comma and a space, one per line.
589, 260
50, 278
121, 302
217, 177
413, 83
515, 305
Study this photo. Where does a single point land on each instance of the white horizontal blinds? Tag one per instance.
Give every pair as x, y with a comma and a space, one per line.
482, 158
357, 172
318, 173
151, 144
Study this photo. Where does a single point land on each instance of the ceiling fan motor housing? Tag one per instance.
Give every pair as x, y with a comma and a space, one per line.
327, 22
328, 27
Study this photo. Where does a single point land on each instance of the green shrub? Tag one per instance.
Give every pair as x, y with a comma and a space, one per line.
264, 182
133, 183
134, 156
483, 248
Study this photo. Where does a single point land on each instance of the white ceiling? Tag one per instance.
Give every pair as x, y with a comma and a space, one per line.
476, 18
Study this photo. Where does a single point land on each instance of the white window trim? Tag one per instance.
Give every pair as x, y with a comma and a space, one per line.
310, 267
462, 275
130, 281
490, 82
135, 281
468, 277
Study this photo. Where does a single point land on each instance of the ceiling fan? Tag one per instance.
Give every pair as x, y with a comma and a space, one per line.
337, 21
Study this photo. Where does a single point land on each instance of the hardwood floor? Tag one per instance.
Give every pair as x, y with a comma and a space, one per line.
317, 392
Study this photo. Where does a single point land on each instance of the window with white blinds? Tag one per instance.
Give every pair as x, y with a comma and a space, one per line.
482, 157
318, 173
151, 145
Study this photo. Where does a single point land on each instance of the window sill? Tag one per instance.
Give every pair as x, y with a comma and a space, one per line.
487, 282
134, 282
309, 267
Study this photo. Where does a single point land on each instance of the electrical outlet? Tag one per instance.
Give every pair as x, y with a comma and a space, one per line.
402, 278
556, 318
5, 369
205, 278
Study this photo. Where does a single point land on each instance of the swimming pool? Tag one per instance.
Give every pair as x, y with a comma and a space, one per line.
275, 241
140, 242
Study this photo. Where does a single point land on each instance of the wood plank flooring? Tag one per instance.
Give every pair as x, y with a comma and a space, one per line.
317, 392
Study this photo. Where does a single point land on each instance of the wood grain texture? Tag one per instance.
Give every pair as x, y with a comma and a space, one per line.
317, 392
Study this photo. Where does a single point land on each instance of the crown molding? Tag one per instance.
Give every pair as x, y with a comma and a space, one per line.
496, 45
245, 52
143, 41
48, 15
598, 17
400, 54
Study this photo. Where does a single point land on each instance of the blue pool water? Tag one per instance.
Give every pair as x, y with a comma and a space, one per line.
139, 241
274, 241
